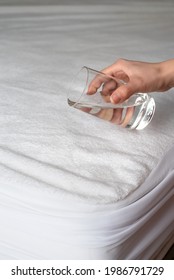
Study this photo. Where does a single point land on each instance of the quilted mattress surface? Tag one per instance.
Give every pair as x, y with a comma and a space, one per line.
46, 144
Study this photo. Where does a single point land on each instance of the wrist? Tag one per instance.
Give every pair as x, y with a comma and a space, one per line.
166, 70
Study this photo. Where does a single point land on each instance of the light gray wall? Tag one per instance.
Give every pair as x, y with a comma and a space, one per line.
56, 2
69, 2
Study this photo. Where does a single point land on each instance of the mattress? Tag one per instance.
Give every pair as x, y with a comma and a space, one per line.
73, 186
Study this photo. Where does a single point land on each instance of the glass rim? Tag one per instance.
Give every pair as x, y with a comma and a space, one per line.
120, 81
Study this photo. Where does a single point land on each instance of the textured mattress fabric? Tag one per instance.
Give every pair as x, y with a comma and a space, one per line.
64, 171
38, 225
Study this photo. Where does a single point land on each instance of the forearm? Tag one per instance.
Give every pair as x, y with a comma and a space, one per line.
167, 74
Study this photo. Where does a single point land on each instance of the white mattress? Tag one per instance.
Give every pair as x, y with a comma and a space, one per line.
98, 192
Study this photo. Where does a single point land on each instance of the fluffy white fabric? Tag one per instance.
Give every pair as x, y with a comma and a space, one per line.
61, 171
47, 145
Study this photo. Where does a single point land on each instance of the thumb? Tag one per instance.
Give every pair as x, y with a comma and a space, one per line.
122, 93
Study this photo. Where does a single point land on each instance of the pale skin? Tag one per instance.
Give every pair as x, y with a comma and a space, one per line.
139, 77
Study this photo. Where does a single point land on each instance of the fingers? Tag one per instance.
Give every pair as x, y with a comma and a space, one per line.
128, 116
109, 87
96, 83
122, 93
107, 75
106, 84
121, 76
117, 116
105, 114
115, 81
120, 70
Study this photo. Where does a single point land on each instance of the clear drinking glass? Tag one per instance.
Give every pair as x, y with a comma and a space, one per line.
90, 92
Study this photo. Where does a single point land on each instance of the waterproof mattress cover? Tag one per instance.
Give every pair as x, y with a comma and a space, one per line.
73, 186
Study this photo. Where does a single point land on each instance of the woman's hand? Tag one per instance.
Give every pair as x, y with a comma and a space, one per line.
138, 77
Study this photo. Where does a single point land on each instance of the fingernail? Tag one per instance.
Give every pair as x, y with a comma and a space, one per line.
111, 99
115, 98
